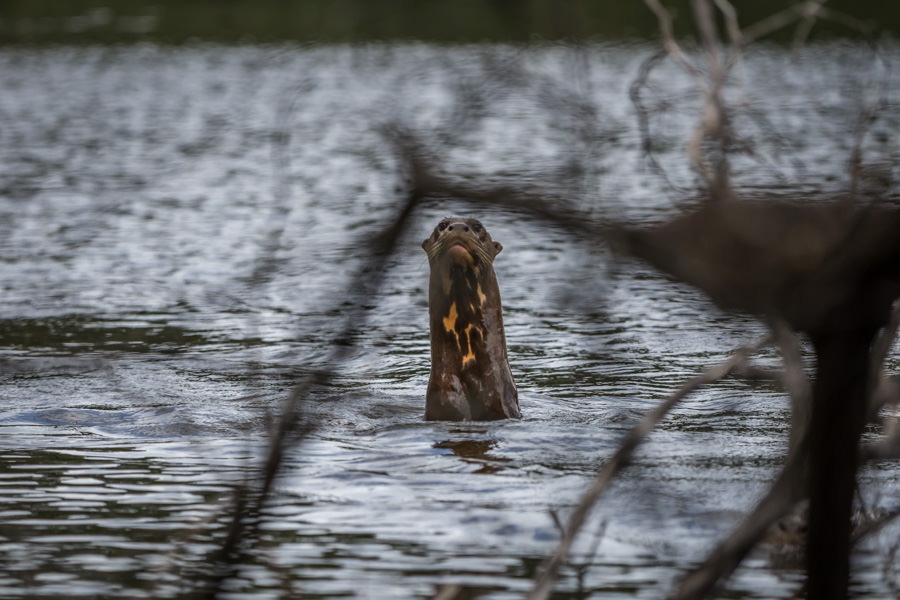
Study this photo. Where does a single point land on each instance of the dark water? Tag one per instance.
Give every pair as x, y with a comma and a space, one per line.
178, 231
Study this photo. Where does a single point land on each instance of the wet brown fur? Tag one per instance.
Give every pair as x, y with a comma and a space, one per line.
470, 376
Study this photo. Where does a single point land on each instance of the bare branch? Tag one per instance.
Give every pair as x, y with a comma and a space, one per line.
714, 119
795, 381
807, 13
643, 114
735, 36
886, 339
695, 144
671, 46
550, 568
885, 392
888, 447
861, 27
780, 20
874, 524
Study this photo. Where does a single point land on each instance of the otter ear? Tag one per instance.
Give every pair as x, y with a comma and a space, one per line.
426, 244
497, 248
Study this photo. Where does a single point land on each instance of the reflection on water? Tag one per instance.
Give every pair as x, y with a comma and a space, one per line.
174, 226
475, 452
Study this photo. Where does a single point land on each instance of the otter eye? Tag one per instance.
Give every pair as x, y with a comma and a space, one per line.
476, 227
442, 225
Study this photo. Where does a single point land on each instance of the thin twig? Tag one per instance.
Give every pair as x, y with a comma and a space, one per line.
803, 11
714, 124
888, 446
671, 45
777, 21
882, 345
735, 37
885, 391
795, 381
643, 115
807, 21
875, 524
550, 568
674, 50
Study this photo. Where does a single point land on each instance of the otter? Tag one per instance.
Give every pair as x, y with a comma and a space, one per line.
470, 377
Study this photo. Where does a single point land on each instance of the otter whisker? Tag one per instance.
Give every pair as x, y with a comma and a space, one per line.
483, 255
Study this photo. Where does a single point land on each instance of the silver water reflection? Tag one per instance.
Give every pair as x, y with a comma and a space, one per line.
178, 227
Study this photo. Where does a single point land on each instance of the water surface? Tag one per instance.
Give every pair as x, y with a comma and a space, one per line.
179, 229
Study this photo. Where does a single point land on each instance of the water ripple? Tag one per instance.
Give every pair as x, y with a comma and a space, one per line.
179, 230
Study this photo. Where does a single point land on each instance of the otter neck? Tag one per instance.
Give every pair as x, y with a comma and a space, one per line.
460, 298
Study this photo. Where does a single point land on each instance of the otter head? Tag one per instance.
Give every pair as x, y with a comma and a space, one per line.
463, 243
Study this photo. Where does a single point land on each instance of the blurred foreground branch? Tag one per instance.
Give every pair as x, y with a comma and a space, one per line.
291, 427
550, 568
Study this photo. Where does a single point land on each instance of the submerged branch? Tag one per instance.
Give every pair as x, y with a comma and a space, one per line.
550, 568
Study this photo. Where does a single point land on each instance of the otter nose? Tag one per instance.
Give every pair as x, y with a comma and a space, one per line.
458, 226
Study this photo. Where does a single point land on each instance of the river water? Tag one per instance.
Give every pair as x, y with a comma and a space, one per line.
180, 228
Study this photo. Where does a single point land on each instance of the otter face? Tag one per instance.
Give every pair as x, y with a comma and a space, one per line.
461, 241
